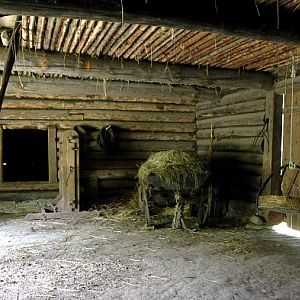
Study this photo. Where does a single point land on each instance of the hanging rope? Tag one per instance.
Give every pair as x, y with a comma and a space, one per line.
292, 164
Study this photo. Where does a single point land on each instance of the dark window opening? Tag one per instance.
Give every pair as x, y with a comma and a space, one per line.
25, 155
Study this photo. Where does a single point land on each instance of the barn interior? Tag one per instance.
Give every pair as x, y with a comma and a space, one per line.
91, 90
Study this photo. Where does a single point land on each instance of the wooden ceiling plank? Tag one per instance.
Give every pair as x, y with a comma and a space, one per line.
193, 15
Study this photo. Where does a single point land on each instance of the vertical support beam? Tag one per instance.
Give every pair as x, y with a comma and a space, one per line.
52, 154
272, 143
12, 52
1, 155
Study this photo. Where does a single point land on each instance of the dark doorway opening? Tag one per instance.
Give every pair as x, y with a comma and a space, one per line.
25, 155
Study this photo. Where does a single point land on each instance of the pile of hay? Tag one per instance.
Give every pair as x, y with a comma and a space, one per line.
174, 167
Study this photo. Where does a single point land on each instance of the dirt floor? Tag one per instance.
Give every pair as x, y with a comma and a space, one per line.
108, 258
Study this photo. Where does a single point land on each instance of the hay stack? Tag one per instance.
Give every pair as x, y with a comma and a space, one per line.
173, 167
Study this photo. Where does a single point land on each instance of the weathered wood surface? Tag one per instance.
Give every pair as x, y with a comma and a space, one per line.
285, 86
230, 109
236, 119
291, 180
28, 186
206, 15
52, 154
149, 117
76, 89
86, 68
15, 103
1, 155
272, 140
11, 57
66, 124
280, 203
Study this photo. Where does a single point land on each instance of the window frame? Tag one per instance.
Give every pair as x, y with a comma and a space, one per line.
52, 182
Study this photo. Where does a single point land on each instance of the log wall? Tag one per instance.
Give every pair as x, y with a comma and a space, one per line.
234, 121
150, 118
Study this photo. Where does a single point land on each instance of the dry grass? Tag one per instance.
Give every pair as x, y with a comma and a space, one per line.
174, 167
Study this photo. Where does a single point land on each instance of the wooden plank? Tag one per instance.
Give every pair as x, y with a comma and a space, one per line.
1, 155
76, 89
149, 135
232, 97
147, 146
272, 149
87, 67
28, 186
193, 15
99, 164
52, 154
118, 156
230, 132
136, 116
28, 103
67, 124
285, 86
279, 203
109, 174
291, 174
231, 109
247, 119
244, 96
234, 157
101, 115
11, 56
230, 144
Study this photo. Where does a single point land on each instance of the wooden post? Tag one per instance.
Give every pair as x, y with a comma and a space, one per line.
52, 154
1, 155
272, 143
12, 52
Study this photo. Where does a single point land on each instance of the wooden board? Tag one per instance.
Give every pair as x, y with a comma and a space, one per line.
192, 15
88, 67
279, 203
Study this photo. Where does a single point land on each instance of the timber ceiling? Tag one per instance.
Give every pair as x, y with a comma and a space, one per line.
289, 4
155, 44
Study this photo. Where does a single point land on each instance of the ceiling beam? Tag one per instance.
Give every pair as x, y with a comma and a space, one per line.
234, 17
84, 67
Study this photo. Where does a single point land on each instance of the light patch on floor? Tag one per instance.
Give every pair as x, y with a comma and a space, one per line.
283, 228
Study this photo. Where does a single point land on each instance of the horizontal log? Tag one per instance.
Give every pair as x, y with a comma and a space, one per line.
86, 67
76, 89
116, 184
205, 16
117, 156
231, 98
26, 202
231, 132
234, 157
244, 96
280, 203
92, 164
93, 105
148, 146
101, 115
242, 169
238, 181
67, 124
135, 116
231, 109
235, 145
109, 174
285, 86
28, 186
248, 119
150, 136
